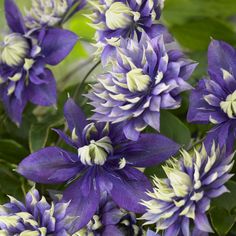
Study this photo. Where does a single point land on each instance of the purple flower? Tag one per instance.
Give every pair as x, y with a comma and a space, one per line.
103, 161
35, 217
185, 196
146, 77
109, 219
23, 56
214, 99
114, 19
49, 13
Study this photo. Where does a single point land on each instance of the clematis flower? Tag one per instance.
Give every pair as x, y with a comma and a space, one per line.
49, 13
111, 220
214, 99
103, 161
114, 19
35, 217
185, 195
23, 57
146, 77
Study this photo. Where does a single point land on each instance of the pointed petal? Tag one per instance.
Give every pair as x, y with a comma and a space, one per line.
14, 107
84, 197
129, 188
57, 44
75, 118
14, 17
49, 166
149, 150
202, 223
221, 56
151, 233
152, 118
130, 131
44, 94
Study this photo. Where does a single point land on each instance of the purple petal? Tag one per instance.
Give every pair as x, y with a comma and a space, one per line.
84, 196
151, 233
75, 118
149, 150
57, 44
112, 230
50, 165
202, 223
152, 118
14, 17
185, 226
66, 138
156, 30
199, 111
197, 232
14, 107
221, 56
129, 188
221, 135
130, 131
173, 230
43, 94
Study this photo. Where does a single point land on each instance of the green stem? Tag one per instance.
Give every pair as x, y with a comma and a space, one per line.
78, 89
74, 70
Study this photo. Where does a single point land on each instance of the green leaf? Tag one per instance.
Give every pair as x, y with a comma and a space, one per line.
181, 11
222, 220
197, 34
227, 200
155, 171
39, 132
10, 182
12, 151
174, 128
80, 25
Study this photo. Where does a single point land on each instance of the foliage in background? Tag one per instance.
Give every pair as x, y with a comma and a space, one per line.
193, 23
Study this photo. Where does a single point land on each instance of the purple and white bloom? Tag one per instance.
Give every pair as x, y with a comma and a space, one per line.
185, 195
111, 220
146, 77
114, 19
103, 161
23, 57
35, 217
214, 99
50, 13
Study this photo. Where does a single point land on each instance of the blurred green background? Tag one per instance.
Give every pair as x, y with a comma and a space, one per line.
192, 23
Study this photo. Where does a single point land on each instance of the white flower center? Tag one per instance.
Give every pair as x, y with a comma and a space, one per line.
229, 105
96, 152
180, 181
120, 16
95, 223
14, 50
48, 12
137, 81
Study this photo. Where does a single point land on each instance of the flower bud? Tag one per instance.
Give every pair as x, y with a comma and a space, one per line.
118, 16
96, 152
137, 81
15, 49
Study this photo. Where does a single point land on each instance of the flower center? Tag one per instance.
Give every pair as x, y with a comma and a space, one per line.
96, 152
14, 50
229, 105
47, 12
95, 223
180, 181
120, 16
137, 81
